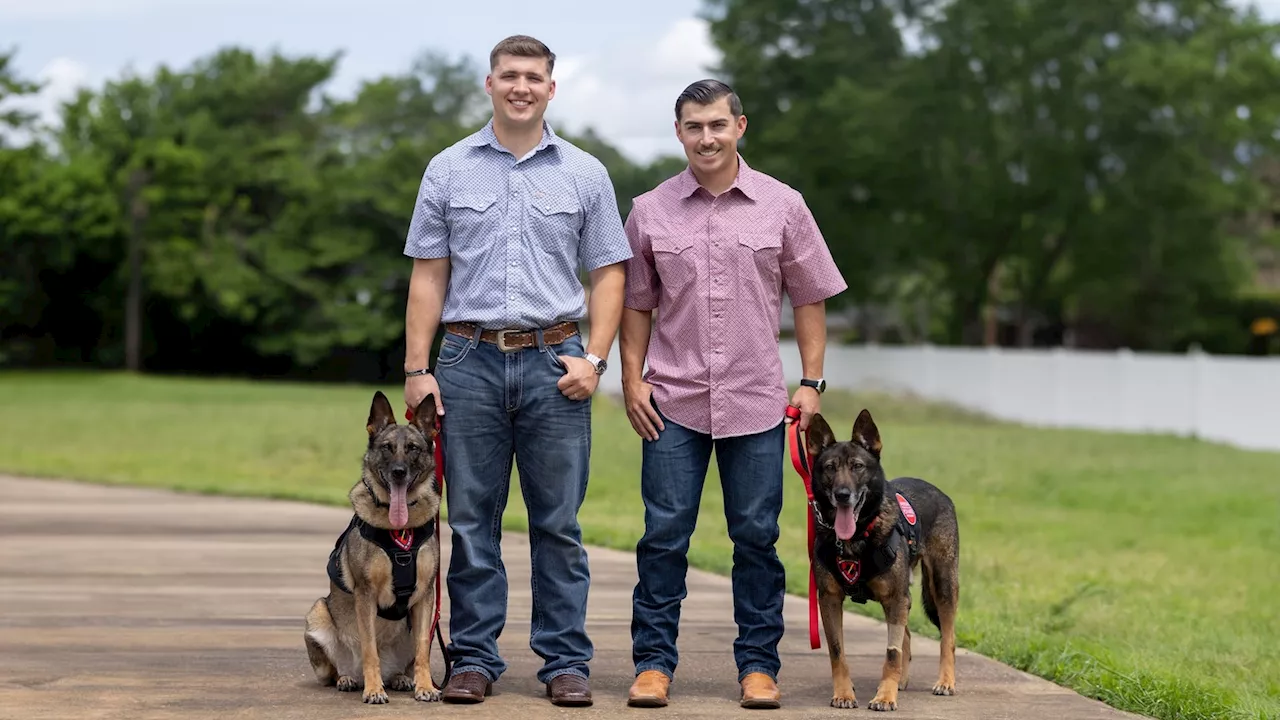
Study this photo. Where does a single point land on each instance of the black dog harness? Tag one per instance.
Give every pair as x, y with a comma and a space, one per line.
870, 560
401, 547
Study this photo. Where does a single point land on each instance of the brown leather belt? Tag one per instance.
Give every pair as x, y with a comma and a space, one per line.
512, 340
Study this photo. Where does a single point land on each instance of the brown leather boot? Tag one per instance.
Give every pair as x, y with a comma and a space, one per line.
760, 691
649, 689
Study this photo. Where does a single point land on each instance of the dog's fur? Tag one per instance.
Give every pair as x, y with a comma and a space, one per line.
848, 476
348, 644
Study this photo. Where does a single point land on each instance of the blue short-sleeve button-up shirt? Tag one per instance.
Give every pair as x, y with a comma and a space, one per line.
517, 231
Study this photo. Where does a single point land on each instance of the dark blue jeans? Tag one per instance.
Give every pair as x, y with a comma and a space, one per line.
673, 470
499, 407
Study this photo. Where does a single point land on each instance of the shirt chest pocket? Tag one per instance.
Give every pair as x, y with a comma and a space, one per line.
473, 217
758, 258
556, 222
673, 257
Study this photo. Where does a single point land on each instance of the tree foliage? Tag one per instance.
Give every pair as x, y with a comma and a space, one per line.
1015, 171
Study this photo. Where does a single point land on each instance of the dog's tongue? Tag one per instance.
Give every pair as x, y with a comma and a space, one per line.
846, 523
399, 513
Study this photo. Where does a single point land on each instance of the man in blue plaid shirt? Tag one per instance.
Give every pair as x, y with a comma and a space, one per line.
504, 221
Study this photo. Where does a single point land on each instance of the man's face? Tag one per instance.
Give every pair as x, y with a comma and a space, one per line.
710, 134
520, 88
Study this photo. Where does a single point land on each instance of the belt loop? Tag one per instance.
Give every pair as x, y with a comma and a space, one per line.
542, 343
477, 331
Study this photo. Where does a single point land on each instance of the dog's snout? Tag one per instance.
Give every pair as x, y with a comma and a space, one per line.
399, 472
843, 495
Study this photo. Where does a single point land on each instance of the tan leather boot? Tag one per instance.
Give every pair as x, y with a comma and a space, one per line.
760, 691
649, 689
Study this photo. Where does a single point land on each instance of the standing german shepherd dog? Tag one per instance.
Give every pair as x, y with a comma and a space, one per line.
870, 533
375, 624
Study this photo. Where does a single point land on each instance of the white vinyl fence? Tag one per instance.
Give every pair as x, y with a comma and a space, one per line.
1230, 399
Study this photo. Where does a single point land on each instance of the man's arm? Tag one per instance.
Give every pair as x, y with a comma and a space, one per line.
810, 276
605, 308
637, 325
428, 244
604, 249
811, 337
427, 284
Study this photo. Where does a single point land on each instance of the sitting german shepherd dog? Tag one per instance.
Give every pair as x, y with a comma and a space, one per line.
869, 535
375, 624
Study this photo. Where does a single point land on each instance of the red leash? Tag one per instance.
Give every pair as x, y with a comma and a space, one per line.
435, 621
802, 462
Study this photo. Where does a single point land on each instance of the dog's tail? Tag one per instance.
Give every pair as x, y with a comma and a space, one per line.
930, 606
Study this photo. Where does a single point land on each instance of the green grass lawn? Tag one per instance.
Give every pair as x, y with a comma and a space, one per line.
1143, 571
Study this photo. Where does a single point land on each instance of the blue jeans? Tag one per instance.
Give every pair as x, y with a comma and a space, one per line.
673, 470
500, 406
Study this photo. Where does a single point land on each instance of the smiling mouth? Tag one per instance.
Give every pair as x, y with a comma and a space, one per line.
709, 153
521, 104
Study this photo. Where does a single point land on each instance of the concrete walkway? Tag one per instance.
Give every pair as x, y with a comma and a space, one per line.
140, 604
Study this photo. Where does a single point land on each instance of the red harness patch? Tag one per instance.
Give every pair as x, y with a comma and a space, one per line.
907, 511
403, 538
850, 569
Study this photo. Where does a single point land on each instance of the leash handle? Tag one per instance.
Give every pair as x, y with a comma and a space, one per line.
802, 462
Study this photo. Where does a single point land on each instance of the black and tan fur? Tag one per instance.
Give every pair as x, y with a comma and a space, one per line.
849, 474
348, 644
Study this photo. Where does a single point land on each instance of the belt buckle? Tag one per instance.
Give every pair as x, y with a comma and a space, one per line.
502, 341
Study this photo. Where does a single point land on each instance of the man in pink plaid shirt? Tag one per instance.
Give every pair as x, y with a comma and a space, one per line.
713, 250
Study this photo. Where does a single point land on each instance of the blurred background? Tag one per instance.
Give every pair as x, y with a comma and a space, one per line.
224, 187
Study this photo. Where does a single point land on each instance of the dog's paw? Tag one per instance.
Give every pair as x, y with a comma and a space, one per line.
429, 693
883, 705
346, 683
401, 683
944, 689
844, 702
376, 696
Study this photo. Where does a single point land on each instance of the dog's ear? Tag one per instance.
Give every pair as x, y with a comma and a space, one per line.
380, 414
820, 435
866, 434
424, 417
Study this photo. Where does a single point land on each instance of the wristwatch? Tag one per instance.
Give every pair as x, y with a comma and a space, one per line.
598, 362
820, 384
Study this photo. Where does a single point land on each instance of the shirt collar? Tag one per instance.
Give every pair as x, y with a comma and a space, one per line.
486, 136
745, 183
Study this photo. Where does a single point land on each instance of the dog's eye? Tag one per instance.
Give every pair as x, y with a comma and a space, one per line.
413, 449
388, 447
858, 465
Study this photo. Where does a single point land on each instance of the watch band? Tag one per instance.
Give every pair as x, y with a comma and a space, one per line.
424, 371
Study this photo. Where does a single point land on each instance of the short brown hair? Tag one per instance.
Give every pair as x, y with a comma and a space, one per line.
523, 46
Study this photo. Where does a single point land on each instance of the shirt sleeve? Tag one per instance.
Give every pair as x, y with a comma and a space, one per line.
428, 235
603, 240
809, 274
642, 278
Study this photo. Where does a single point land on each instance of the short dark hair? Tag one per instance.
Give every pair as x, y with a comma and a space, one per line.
523, 46
706, 92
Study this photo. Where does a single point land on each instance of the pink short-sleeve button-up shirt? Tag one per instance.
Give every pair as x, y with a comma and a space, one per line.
715, 269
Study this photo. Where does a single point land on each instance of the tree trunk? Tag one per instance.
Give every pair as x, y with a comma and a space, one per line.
133, 297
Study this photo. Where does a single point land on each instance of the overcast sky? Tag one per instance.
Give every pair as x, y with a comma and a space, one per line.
633, 58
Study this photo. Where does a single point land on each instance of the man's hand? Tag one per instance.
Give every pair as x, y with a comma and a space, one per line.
580, 379
420, 386
644, 419
807, 399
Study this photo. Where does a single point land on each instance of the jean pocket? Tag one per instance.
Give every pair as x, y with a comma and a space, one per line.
452, 350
